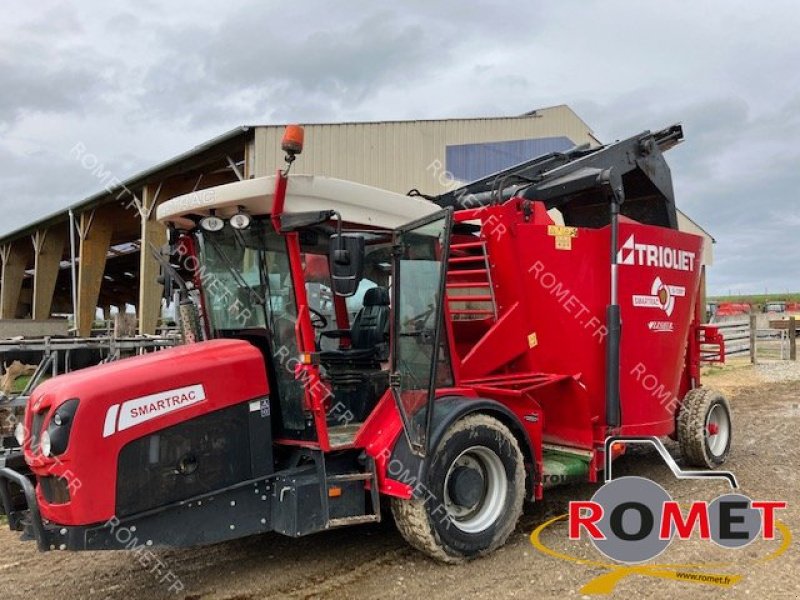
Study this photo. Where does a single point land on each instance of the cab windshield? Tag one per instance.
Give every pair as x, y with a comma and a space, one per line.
246, 278
248, 293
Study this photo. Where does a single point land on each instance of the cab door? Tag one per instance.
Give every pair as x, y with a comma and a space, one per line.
419, 356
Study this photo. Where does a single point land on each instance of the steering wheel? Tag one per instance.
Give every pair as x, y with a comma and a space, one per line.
318, 320
419, 321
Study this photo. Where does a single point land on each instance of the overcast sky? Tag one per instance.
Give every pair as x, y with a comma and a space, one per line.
136, 86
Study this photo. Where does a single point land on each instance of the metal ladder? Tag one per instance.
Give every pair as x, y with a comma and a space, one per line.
476, 274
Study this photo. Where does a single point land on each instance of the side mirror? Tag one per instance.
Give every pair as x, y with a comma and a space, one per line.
346, 262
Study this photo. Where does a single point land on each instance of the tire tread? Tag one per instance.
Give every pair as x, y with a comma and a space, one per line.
411, 516
691, 426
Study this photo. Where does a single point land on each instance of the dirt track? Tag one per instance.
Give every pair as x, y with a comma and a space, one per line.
372, 561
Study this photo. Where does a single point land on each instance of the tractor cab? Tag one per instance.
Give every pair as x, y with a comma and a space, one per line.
317, 273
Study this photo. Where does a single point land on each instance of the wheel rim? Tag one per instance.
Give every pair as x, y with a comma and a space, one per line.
484, 512
717, 430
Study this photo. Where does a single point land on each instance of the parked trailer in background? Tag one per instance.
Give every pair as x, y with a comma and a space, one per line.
487, 353
731, 309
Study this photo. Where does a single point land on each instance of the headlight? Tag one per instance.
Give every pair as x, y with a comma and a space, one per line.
240, 220
61, 426
20, 434
212, 223
44, 444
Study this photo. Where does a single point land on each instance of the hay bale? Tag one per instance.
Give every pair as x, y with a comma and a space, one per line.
13, 372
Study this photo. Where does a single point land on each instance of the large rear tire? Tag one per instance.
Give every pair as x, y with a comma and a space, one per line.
705, 428
472, 495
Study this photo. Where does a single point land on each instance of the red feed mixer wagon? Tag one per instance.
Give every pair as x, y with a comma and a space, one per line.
453, 355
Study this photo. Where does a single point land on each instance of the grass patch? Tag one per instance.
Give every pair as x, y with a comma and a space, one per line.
716, 370
758, 298
20, 383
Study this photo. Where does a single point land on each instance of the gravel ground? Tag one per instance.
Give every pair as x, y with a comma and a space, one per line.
372, 561
778, 371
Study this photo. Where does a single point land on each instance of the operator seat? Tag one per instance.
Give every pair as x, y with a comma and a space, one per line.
369, 333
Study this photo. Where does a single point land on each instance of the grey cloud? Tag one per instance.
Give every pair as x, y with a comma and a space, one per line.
141, 85
46, 66
253, 66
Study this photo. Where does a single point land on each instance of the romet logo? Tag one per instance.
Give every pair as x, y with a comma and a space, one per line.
632, 520
650, 255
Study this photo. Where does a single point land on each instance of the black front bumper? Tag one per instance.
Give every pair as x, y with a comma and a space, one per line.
228, 514
22, 518
293, 502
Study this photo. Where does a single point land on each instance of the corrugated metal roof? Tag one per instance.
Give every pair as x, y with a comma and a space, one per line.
133, 182
422, 139
532, 113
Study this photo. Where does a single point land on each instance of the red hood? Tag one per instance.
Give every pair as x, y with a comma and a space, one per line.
130, 398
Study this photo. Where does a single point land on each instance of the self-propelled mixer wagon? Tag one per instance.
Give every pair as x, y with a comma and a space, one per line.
453, 355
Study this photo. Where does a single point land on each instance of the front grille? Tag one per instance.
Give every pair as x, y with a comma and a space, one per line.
54, 489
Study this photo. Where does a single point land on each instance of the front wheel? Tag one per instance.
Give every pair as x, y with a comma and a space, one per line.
704, 428
472, 494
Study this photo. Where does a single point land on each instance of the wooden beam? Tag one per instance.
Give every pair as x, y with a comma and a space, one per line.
150, 291
95, 229
15, 258
48, 248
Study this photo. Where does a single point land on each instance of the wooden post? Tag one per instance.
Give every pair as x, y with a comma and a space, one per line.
96, 228
150, 290
48, 247
15, 259
792, 338
753, 337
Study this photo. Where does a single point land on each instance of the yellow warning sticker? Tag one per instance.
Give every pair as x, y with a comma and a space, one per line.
562, 231
532, 341
563, 236
563, 242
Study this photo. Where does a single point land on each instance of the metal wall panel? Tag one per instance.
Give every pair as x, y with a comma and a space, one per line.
400, 155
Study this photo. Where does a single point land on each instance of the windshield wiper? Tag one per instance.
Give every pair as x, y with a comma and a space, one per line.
237, 274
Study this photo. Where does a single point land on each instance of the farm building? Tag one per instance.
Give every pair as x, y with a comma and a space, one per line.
93, 255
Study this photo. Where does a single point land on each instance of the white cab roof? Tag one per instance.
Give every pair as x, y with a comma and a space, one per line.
357, 203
